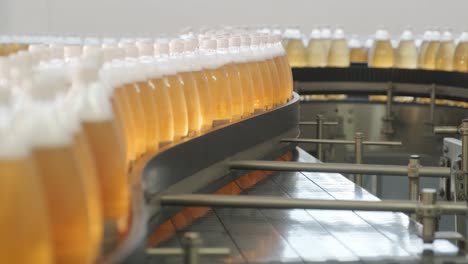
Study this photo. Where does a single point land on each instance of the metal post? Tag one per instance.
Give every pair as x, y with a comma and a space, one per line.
413, 177
375, 169
358, 138
432, 105
191, 244
320, 120
429, 214
388, 129
460, 224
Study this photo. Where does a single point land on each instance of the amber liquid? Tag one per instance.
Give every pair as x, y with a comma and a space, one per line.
422, 53
88, 171
288, 76
276, 81
381, 55
206, 100
296, 53
267, 84
220, 89
444, 57
138, 115
236, 90
430, 55
282, 78
406, 55
195, 119
247, 89
151, 119
358, 55
174, 85
109, 158
24, 222
338, 55
257, 81
316, 53
122, 109
67, 203
164, 111
460, 58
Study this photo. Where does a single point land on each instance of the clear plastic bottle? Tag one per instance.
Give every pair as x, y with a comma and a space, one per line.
193, 57
295, 47
429, 62
233, 76
218, 82
338, 55
283, 64
189, 86
460, 58
326, 35
406, 54
254, 69
241, 61
357, 50
381, 55
174, 85
444, 56
317, 55
261, 57
426, 38
25, 226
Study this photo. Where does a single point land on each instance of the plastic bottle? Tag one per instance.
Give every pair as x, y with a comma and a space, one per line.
406, 54
429, 62
338, 55
445, 53
460, 58
381, 55
317, 55
295, 47
357, 50
426, 38
254, 69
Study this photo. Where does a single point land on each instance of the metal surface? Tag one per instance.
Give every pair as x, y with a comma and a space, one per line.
445, 130
337, 167
310, 236
314, 123
320, 121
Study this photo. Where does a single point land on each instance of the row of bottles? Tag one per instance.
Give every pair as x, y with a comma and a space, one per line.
74, 119
434, 51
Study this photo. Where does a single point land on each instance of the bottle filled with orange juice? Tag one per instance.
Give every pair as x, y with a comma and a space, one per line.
174, 86
246, 85
255, 73
429, 56
317, 55
326, 35
257, 47
357, 52
218, 82
444, 56
460, 58
381, 54
189, 86
283, 63
193, 57
295, 47
25, 227
406, 54
338, 55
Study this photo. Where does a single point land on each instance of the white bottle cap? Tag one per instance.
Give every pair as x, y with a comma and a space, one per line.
446, 36
73, 51
382, 34
222, 42
190, 44
176, 46
145, 47
161, 48
339, 34
463, 37
406, 35
435, 35
90, 50
235, 41
246, 40
131, 51
354, 42
293, 33
255, 39
208, 44
315, 34
326, 32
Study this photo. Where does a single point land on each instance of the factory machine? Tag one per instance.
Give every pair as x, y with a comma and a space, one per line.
300, 183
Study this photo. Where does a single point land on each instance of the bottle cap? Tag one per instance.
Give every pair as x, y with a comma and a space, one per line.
406, 35
161, 48
176, 46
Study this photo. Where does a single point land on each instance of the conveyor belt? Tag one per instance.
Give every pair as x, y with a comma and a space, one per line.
304, 236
